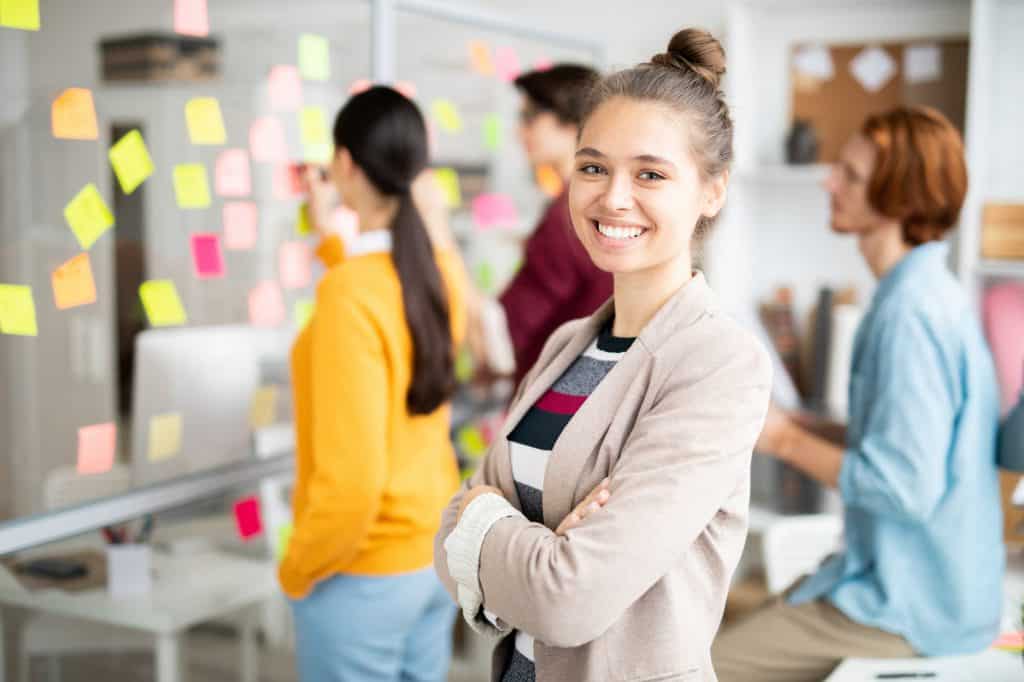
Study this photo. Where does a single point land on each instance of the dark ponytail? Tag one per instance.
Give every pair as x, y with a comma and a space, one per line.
387, 138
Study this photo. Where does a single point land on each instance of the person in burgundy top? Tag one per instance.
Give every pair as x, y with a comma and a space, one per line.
557, 282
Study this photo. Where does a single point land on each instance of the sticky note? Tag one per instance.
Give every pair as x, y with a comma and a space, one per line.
494, 210
449, 181
480, 58
303, 312
190, 186
247, 518
446, 115
549, 180
263, 408
73, 115
23, 14
191, 18
359, 85
17, 310
492, 129
407, 89
543, 64
345, 222
484, 276
471, 441
506, 63
164, 436
463, 366
314, 57
266, 305
131, 161
284, 536
207, 259
163, 306
303, 225
241, 222
231, 176
313, 126
294, 265
267, 141
205, 121
317, 153
88, 216
287, 182
96, 447
284, 85
73, 283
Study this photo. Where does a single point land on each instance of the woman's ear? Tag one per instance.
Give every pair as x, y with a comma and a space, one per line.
715, 192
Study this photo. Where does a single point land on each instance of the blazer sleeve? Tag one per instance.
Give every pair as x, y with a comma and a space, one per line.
685, 456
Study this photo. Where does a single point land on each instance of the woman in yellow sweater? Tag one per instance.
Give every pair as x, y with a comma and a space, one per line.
372, 373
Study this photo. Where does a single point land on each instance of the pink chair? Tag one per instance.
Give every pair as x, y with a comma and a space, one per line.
1003, 313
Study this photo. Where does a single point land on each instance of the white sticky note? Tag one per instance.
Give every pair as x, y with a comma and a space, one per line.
814, 61
873, 68
922, 63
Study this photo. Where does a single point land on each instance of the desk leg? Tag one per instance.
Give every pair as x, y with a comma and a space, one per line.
247, 645
168, 658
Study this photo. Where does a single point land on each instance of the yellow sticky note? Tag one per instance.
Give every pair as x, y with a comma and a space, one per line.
73, 115
492, 129
88, 216
302, 312
17, 310
73, 283
463, 366
263, 409
313, 125
284, 536
314, 57
162, 304
205, 122
131, 161
449, 181
164, 436
23, 14
318, 153
446, 115
190, 185
472, 442
303, 225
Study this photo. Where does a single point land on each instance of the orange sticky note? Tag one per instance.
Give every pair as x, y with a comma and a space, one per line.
506, 64
241, 222
131, 161
17, 310
263, 409
23, 14
96, 447
449, 181
73, 115
446, 115
191, 18
294, 265
267, 141
359, 85
247, 518
190, 185
164, 436
205, 121
231, 173
73, 283
480, 58
284, 85
549, 180
88, 216
266, 305
162, 304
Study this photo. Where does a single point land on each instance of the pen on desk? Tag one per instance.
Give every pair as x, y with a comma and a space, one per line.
110, 536
905, 676
147, 529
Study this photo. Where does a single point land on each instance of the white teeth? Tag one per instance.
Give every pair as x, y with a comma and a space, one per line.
620, 232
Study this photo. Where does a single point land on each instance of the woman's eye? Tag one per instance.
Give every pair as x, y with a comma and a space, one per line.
651, 175
590, 169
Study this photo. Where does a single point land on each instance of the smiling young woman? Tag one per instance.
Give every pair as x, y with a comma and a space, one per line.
598, 538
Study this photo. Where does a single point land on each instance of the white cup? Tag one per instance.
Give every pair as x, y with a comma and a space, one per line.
129, 571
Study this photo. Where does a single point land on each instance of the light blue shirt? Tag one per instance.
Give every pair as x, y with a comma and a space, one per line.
924, 553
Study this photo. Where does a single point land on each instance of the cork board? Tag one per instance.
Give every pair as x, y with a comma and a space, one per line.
837, 106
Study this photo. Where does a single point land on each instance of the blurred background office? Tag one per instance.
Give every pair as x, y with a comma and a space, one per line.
156, 263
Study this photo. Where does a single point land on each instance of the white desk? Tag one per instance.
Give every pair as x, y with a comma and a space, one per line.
187, 590
988, 666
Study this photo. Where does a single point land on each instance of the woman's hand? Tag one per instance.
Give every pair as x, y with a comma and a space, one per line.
472, 494
322, 196
775, 434
597, 498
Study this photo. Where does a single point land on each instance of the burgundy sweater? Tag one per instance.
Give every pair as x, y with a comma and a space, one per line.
557, 283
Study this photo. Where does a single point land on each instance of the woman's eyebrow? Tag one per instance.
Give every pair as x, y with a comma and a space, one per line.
645, 158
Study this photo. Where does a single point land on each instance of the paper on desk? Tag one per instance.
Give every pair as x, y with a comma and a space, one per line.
241, 222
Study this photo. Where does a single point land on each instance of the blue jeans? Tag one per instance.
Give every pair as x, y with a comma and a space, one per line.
394, 628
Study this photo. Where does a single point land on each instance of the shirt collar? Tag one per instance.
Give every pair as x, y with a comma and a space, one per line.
924, 258
376, 241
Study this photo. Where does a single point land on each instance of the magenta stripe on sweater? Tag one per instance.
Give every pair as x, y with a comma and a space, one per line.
560, 403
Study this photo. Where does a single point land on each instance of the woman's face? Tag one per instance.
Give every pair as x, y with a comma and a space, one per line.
847, 186
636, 192
546, 140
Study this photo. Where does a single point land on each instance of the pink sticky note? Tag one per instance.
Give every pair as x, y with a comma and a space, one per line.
266, 305
506, 62
359, 85
232, 176
287, 182
241, 221
345, 222
406, 88
284, 84
247, 518
206, 256
96, 447
191, 18
542, 64
266, 140
295, 265
494, 210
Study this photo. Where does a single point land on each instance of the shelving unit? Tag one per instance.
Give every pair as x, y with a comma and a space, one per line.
1000, 268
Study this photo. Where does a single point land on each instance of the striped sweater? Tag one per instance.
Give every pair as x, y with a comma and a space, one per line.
531, 442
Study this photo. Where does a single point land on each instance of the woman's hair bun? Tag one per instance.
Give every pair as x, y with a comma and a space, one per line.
693, 49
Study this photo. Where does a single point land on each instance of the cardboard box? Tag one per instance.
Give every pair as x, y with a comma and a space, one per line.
160, 57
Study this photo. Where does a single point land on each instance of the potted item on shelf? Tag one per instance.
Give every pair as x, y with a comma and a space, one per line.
1002, 231
802, 143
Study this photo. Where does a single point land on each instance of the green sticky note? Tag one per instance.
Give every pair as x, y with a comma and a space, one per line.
492, 132
314, 57
302, 311
485, 277
471, 441
303, 225
463, 366
162, 304
284, 536
449, 181
446, 115
131, 161
88, 216
23, 14
17, 310
205, 121
190, 185
313, 126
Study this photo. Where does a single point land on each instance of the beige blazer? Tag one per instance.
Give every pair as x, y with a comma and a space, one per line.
636, 592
